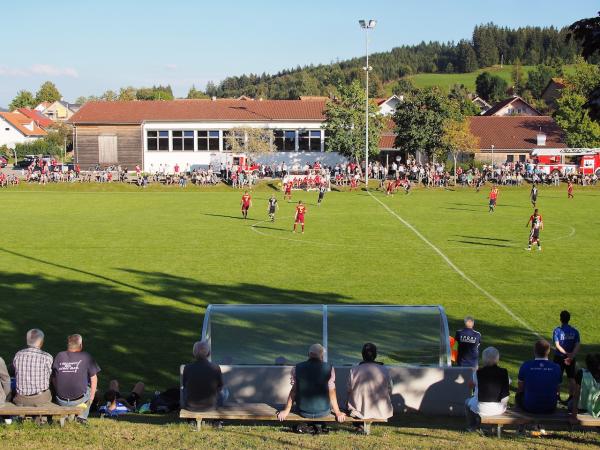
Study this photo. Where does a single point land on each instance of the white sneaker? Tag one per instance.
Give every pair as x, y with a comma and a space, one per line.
528, 249
539, 249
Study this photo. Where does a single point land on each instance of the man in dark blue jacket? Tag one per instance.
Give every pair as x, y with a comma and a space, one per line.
468, 341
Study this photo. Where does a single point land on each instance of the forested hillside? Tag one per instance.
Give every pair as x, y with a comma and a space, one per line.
489, 45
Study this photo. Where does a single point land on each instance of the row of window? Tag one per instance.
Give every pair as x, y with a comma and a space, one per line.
210, 140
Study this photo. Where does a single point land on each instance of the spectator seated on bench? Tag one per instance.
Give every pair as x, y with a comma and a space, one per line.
5, 390
117, 404
202, 381
369, 389
491, 390
313, 390
587, 389
539, 382
74, 376
33, 368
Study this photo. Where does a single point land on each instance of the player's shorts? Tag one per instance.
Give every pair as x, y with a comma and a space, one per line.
245, 207
271, 210
321, 195
492, 202
535, 234
570, 369
300, 219
534, 198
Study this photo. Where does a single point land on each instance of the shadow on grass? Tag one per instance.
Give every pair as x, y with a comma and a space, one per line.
486, 244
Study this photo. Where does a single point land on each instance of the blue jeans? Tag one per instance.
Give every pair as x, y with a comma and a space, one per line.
317, 415
85, 399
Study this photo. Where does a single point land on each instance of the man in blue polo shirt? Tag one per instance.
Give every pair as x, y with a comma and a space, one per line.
567, 342
468, 341
539, 382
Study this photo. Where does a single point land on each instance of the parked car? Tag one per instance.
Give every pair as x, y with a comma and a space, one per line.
26, 161
3, 161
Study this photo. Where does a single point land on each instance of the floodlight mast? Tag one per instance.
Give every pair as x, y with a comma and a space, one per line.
367, 26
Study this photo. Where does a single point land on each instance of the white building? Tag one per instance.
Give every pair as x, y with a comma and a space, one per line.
18, 129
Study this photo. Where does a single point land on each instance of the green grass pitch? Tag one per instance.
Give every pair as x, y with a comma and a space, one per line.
133, 270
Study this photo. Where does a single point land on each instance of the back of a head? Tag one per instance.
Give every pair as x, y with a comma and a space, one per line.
565, 317
316, 351
369, 352
74, 342
592, 363
541, 349
201, 350
490, 356
35, 338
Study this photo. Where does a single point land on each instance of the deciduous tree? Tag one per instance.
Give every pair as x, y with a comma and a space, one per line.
47, 93
24, 99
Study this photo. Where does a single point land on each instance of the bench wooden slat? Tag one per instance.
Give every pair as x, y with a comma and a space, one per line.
257, 411
13, 410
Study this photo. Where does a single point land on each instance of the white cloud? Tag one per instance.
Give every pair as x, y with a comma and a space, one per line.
39, 69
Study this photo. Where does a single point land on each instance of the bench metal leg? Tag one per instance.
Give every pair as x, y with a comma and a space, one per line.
367, 428
499, 431
198, 424
61, 420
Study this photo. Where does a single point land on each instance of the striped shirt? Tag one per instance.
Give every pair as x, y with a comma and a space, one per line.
33, 368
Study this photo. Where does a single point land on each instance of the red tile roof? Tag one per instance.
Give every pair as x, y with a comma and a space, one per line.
22, 123
39, 118
386, 141
135, 112
515, 132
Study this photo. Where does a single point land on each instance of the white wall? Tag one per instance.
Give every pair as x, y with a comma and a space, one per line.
10, 136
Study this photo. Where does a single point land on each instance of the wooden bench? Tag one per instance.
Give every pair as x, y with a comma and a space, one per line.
518, 418
261, 412
56, 412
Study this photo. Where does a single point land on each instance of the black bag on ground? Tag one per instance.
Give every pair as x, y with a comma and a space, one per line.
166, 401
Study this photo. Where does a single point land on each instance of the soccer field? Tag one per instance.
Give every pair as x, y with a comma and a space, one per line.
133, 270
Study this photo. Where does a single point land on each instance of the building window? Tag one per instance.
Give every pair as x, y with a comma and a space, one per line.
309, 140
284, 140
228, 137
158, 140
208, 140
183, 140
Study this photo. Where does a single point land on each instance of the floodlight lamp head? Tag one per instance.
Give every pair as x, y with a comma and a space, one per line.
363, 24
372, 23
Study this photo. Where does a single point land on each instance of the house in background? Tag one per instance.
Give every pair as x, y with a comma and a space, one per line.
513, 138
61, 111
387, 106
553, 91
481, 104
41, 120
42, 106
512, 106
16, 129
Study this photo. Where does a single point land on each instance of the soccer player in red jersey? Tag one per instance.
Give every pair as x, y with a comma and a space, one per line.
537, 224
246, 204
570, 189
493, 198
299, 219
288, 191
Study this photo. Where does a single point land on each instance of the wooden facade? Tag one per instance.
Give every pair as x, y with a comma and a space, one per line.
91, 143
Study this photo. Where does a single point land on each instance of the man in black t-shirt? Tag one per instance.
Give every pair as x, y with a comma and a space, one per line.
74, 376
272, 208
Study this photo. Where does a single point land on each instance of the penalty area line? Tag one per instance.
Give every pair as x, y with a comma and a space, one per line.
454, 267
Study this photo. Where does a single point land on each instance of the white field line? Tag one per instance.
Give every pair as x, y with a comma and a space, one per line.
458, 270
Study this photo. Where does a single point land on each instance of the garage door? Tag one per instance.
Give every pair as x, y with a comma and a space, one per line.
107, 146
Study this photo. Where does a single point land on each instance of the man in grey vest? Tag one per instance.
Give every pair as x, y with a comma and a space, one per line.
313, 388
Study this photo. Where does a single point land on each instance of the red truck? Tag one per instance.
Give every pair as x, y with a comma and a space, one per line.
565, 161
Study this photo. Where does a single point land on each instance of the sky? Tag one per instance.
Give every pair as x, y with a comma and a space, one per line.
86, 47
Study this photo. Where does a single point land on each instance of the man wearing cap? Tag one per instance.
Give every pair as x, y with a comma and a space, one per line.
313, 388
468, 341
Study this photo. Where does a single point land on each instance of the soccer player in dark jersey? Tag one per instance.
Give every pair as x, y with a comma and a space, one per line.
537, 224
246, 204
322, 190
299, 218
273, 206
468, 341
407, 186
533, 195
493, 198
567, 343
